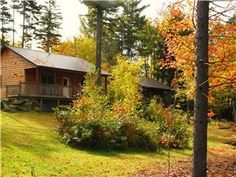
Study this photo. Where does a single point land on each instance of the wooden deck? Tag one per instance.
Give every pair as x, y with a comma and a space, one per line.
38, 90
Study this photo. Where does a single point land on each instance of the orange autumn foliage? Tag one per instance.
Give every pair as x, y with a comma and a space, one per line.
178, 29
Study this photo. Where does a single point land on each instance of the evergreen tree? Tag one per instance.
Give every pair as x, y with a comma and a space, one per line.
154, 51
5, 18
88, 23
152, 48
30, 11
120, 30
14, 8
131, 22
109, 42
50, 22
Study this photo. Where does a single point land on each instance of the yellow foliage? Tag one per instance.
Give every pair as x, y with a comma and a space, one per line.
125, 83
83, 47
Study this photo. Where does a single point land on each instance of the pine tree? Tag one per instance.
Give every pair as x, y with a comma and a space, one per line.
88, 23
14, 8
5, 18
130, 24
30, 10
109, 42
152, 48
50, 23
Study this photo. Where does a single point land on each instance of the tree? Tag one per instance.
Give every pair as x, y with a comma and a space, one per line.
156, 55
109, 42
14, 8
49, 23
130, 24
120, 30
83, 47
30, 11
5, 18
150, 48
178, 28
201, 91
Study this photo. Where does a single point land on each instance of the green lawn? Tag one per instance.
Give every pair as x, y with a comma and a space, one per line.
31, 147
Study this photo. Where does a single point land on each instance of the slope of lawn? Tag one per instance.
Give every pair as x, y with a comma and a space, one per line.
31, 147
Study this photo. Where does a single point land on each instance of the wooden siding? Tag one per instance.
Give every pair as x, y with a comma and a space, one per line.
15, 69
12, 69
75, 77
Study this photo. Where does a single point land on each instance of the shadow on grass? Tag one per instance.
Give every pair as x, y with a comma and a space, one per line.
42, 140
134, 152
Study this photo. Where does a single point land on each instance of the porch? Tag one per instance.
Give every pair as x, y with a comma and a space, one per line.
40, 90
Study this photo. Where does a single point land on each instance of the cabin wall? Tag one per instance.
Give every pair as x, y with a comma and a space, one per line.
12, 69
75, 77
30, 75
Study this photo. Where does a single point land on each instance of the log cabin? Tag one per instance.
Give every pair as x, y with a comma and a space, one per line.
50, 78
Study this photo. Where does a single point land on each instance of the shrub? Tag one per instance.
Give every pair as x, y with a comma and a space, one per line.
124, 88
172, 123
120, 119
105, 133
20, 104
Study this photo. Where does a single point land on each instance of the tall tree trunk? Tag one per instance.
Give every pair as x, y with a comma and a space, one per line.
99, 44
2, 39
13, 24
201, 94
23, 26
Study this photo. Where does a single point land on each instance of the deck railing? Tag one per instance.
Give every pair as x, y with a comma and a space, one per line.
39, 89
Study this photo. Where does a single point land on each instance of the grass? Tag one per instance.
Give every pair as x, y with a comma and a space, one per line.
31, 147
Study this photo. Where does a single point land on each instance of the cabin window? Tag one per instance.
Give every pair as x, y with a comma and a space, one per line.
47, 79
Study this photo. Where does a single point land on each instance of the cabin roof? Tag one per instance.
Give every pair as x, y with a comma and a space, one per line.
152, 83
57, 61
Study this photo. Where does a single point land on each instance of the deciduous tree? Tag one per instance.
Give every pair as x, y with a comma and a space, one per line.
83, 47
201, 91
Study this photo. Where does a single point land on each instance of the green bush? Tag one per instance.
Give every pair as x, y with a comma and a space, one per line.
172, 123
105, 133
20, 104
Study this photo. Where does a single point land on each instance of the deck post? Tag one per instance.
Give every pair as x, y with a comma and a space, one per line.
55, 81
37, 80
